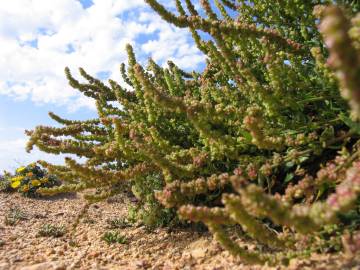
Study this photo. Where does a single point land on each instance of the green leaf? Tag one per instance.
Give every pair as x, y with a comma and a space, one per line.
289, 177
289, 164
327, 134
246, 135
302, 159
354, 126
321, 191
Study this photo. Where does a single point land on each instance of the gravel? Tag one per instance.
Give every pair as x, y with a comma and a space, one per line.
22, 248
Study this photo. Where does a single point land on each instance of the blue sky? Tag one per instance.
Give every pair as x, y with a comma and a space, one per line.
39, 38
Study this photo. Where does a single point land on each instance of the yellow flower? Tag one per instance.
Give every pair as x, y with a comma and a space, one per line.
44, 180
35, 183
15, 184
17, 178
25, 188
21, 169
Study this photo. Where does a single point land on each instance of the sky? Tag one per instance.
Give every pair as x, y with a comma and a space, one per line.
40, 38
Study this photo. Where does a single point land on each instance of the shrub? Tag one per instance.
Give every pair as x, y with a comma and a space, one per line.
13, 216
266, 136
51, 230
147, 209
117, 223
111, 237
28, 179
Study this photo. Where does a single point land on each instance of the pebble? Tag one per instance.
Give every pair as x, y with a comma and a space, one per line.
84, 237
50, 251
178, 250
93, 254
18, 259
4, 266
142, 264
198, 253
13, 237
46, 266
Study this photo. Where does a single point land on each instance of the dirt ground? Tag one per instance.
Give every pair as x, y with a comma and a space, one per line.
22, 248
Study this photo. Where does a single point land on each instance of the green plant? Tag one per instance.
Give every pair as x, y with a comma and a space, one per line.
28, 179
51, 230
112, 237
118, 223
5, 184
266, 136
14, 215
148, 210
89, 220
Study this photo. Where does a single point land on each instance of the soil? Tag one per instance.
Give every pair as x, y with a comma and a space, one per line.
22, 248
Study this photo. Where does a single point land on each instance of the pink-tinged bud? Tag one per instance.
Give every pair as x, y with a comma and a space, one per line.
333, 201
251, 172
238, 171
266, 169
344, 191
167, 193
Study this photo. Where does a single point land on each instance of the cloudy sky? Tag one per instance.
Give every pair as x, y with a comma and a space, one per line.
39, 38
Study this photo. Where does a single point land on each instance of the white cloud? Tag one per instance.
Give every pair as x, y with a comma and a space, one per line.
12, 155
39, 38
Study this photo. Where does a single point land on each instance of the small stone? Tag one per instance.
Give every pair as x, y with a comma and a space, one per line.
45, 266
84, 237
142, 264
50, 251
17, 259
13, 237
4, 266
198, 253
93, 254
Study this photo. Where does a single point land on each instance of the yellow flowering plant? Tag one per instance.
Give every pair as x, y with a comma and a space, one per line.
28, 179
20, 169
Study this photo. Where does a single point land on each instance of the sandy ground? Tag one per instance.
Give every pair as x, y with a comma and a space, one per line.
22, 248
